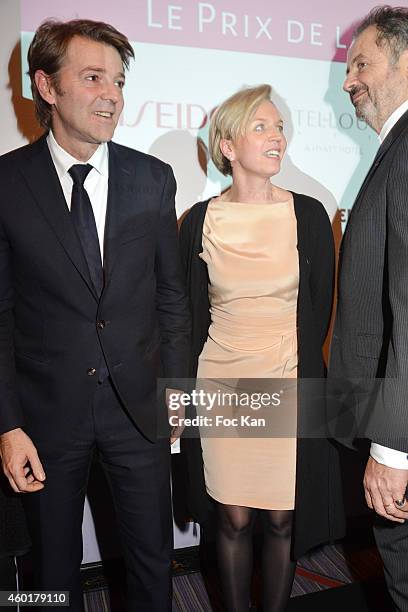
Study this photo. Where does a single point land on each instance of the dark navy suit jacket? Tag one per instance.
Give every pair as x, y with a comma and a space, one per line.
53, 328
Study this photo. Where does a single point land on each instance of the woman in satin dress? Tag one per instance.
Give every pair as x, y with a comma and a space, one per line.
259, 264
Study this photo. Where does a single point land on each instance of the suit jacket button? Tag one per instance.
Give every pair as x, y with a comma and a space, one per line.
91, 372
101, 324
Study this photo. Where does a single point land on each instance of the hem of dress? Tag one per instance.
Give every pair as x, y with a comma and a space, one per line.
252, 505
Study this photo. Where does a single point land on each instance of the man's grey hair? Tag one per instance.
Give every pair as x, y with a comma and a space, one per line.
392, 27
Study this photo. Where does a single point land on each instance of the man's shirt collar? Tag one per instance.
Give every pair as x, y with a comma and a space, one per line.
392, 120
63, 160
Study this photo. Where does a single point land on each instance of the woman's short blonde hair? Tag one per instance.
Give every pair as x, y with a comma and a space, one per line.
231, 119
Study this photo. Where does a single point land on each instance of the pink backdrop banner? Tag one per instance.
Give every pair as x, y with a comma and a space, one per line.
317, 29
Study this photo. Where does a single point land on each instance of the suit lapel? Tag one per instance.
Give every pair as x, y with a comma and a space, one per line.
43, 181
397, 130
121, 194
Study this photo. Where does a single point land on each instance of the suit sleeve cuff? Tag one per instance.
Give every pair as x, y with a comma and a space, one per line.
389, 456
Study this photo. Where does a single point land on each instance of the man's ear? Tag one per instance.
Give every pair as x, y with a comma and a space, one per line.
403, 63
45, 86
227, 148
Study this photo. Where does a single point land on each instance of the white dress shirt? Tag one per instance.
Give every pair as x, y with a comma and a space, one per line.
382, 454
96, 183
392, 120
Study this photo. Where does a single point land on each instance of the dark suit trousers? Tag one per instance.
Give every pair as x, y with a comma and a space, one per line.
392, 542
138, 473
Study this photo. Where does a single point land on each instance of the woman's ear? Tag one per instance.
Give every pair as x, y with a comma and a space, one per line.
227, 149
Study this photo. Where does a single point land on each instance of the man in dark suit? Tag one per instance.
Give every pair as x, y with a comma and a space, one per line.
369, 352
92, 311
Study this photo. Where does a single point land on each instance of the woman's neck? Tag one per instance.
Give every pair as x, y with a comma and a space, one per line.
251, 191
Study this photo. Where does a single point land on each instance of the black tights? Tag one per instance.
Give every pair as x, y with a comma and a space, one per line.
234, 550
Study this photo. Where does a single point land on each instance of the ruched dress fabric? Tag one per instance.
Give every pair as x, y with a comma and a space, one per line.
251, 253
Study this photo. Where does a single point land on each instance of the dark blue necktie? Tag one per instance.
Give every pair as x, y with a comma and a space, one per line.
83, 218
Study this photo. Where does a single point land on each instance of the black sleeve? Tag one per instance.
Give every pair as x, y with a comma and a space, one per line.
171, 300
11, 415
322, 268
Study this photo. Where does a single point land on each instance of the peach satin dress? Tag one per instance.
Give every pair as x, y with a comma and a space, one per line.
252, 259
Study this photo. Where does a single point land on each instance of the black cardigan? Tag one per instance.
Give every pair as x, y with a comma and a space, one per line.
318, 506
14, 537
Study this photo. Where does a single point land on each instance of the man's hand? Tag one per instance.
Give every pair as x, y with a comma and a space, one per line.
20, 462
383, 486
176, 411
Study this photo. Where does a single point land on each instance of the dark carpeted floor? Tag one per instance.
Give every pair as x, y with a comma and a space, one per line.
331, 578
